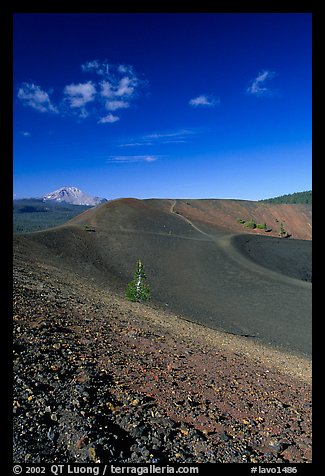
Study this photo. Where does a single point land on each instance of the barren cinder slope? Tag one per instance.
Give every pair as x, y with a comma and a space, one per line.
100, 379
223, 214
199, 269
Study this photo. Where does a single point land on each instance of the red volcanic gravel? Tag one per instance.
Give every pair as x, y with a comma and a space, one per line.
97, 378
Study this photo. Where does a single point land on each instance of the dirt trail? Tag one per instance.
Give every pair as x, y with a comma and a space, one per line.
201, 271
224, 243
255, 288
172, 210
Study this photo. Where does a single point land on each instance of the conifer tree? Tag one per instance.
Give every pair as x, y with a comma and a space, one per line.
137, 290
282, 230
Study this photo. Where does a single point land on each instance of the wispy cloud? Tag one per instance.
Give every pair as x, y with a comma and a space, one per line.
112, 87
130, 159
123, 88
33, 96
26, 134
175, 141
177, 136
109, 119
79, 95
118, 81
94, 66
115, 105
204, 101
111, 71
257, 86
134, 144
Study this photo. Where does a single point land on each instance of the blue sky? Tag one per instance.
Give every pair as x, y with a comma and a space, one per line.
162, 105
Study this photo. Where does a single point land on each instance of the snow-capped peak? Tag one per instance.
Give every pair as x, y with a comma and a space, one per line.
72, 195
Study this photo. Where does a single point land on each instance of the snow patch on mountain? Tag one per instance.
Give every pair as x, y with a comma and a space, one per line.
72, 195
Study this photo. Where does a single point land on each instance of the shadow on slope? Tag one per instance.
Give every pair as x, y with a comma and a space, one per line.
195, 275
224, 215
289, 257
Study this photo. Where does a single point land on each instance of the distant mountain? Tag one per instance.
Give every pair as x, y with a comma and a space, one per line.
72, 195
292, 198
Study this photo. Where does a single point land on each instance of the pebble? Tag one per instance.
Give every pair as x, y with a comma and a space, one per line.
121, 408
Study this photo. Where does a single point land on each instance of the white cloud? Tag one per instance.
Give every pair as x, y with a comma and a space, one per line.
126, 68
109, 119
110, 71
33, 96
126, 86
113, 88
94, 66
106, 89
90, 66
179, 134
119, 80
26, 134
204, 101
174, 141
118, 87
114, 105
78, 95
164, 137
150, 158
257, 86
123, 159
134, 144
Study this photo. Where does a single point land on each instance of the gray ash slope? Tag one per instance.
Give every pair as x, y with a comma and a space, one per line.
198, 274
99, 379
290, 257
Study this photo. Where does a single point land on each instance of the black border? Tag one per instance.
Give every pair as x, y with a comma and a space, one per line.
7, 12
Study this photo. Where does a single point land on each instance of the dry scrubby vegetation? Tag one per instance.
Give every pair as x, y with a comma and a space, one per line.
251, 224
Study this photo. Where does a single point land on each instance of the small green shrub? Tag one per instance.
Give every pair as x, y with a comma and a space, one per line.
241, 221
261, 226
250, 224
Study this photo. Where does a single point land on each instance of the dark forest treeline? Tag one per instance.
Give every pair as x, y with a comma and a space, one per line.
298, 197
34, 214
